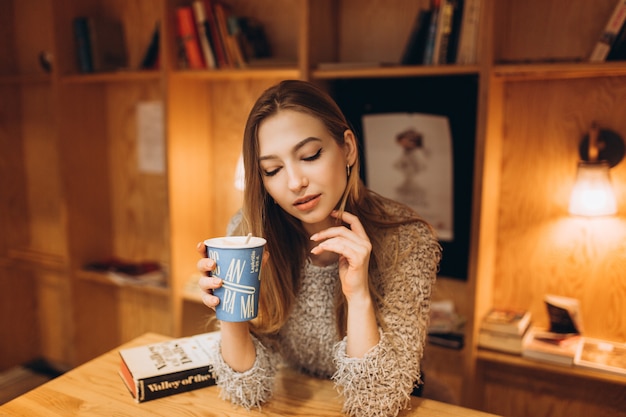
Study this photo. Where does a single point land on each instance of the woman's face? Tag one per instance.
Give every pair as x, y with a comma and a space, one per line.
303, 168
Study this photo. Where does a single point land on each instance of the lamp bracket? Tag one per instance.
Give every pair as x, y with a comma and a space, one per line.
610, 147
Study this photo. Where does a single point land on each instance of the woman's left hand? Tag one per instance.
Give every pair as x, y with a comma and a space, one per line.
353, 247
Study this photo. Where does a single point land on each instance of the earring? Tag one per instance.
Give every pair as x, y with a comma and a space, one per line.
348, 169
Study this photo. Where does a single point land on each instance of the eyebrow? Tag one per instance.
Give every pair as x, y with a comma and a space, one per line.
297, 147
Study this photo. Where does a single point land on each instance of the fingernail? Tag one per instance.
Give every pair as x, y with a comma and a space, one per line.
313, 237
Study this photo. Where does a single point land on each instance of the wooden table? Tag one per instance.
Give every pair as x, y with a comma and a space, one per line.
96, 389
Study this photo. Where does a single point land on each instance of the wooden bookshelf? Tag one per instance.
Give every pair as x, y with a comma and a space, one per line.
72, 193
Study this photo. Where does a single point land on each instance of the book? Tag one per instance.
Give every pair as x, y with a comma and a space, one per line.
506, 320
82, 44
450, 340
189, 37
618, 50
601, 355
233, 56
504, 342
431, 37
204, 33
216, 39
564, 314
612, 28
543, 345
468, 37
413, 53
444, 28
166, 368
453, 42
150, 58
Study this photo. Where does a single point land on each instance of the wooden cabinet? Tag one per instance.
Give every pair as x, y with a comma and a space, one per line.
72, 191
541, 98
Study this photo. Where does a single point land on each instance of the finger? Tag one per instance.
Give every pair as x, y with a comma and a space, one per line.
340, 232
351, 220
208, 284
210, 300
353, 252
206, 265
201, 248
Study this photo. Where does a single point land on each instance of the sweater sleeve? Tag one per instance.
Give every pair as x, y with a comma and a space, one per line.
250, 388
380, 383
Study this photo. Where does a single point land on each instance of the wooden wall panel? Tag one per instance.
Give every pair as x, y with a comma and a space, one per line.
44, 191
139, 199
361, 24
564, 29
20, 338
142, 311
541, 248
231, 102
54, 316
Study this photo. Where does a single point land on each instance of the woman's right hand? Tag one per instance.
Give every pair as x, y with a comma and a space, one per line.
207, 283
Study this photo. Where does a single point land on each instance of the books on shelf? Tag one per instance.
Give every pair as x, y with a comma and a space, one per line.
188, 36
503, 342
124, 272
503, 329
435, 34
601, 355
506, 320
546, 346
204, 33
609, 33
468, 37
211, 35
445, 327
166, 368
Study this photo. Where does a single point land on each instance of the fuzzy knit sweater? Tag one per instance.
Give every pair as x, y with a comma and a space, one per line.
378, 384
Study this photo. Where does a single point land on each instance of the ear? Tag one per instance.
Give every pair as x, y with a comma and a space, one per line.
350, 147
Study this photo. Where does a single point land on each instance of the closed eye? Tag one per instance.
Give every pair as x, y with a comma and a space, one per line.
313, 157
271, 173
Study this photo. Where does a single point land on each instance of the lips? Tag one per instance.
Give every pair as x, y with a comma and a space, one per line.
307, 203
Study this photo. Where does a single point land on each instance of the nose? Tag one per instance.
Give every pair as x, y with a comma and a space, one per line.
296, 180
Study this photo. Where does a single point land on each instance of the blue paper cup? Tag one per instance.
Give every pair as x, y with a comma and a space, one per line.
238, 265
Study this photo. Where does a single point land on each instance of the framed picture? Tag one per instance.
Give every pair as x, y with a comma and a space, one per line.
443, 111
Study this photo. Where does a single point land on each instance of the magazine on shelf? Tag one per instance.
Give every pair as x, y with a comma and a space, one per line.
544, 345
602, 355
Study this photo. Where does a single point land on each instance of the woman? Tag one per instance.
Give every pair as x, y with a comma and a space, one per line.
345, 290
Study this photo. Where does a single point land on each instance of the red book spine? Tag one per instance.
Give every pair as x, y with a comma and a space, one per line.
189, 37
217, 41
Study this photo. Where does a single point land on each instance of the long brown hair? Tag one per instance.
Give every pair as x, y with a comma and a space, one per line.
285, 235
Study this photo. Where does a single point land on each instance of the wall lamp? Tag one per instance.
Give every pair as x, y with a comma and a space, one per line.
593, 194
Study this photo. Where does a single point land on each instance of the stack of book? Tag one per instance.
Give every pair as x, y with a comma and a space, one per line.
503, 329
546, 346
445, 327
559, 343
211, 36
